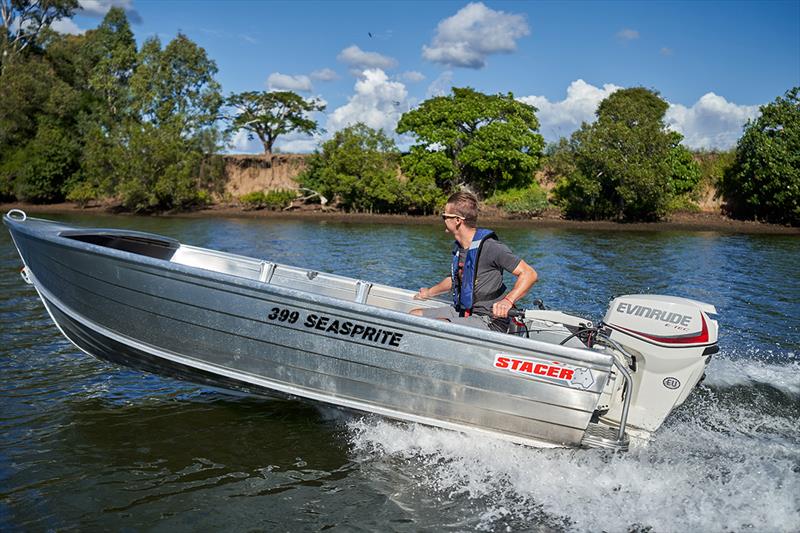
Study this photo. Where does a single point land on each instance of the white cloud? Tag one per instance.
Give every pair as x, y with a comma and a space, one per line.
412, 76
296, 146
358, 58
94, 8
441, 85
560, 119
66, 26
241, 143
99, 8
284, 82
324, 74
712, 122
472, 34
666, 51
377, 102
627, 34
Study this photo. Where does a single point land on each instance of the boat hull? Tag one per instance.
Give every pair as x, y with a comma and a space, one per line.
228, 331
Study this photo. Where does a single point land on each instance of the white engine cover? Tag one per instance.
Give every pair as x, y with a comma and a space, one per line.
671, 340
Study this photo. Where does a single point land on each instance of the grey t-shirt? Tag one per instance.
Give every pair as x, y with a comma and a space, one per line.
495, 257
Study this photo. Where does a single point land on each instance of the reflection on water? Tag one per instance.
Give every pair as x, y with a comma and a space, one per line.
87, 445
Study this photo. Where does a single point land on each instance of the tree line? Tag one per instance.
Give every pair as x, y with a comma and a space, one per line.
93, 116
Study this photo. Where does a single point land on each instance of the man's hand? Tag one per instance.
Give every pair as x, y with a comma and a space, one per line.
500, 309
423, 294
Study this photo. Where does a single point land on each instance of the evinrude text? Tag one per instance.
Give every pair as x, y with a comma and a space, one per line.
655, 314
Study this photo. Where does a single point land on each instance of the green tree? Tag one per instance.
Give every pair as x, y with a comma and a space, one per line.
485, 142
176, 85
100, 64
155, 155
764, 180
110, 55
51, 158
268, 115
23, 21
39, 149
627, 164
559, 160
25, 88
358, 168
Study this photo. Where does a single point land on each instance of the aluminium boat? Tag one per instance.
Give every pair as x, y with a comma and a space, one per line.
152, 303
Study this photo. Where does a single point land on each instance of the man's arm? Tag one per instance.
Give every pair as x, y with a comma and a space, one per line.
443, 286
526, 277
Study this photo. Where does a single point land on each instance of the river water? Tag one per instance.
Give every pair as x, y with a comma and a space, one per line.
85, 445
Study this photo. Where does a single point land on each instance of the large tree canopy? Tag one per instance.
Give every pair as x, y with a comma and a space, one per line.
627, 164
764, 180
22, 22
486, 142
268, 115
156, 153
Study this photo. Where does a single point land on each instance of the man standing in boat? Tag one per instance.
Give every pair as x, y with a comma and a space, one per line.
476, 273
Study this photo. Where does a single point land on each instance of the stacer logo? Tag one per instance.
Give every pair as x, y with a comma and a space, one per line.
574, 377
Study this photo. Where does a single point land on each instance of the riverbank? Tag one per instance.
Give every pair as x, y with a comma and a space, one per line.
701, 221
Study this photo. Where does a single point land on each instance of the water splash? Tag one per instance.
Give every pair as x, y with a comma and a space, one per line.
713, 467
725, 373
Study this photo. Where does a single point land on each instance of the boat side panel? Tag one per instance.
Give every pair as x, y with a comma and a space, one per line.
443, 378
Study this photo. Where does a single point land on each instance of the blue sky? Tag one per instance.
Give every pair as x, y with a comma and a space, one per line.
714, 62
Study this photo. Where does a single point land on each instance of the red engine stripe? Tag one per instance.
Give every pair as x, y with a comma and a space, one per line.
701, 337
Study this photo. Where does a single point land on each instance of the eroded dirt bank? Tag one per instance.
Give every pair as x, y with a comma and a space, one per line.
678, 222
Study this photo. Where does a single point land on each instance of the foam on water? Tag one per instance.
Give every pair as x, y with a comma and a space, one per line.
714, 466
725, 372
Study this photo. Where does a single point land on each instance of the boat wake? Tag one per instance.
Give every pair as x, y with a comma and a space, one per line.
725, 373
721, 462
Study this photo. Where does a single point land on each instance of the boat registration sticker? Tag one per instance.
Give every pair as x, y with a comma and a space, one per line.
572, 376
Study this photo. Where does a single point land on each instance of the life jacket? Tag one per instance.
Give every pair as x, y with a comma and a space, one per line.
464, 296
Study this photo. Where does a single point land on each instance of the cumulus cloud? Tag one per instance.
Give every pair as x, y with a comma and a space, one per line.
284, 82
472, 34
359, 59
99, 8
627, 34
711, 123
324, 74
560, 119
377, 102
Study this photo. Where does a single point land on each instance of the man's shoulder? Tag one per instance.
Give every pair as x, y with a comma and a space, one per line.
494, 243
495, 251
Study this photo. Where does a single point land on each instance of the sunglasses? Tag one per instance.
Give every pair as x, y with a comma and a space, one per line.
445, 216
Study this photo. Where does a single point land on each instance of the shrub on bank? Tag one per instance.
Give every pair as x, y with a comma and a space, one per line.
272, 200
528, 201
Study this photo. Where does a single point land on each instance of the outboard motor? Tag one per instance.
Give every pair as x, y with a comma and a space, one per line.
670, 340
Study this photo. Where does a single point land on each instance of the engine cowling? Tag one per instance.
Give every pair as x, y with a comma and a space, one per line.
671, 340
